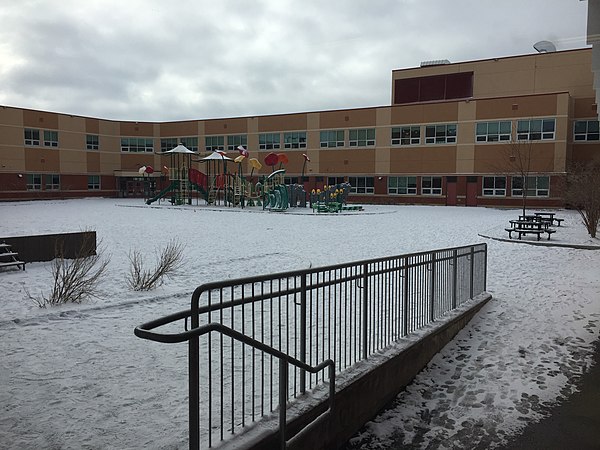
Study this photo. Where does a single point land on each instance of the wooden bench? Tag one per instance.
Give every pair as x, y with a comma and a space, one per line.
526, 231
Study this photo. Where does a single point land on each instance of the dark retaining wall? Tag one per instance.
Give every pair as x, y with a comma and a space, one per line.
47, 247
361, 398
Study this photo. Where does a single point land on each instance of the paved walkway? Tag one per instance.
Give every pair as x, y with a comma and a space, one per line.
574, 424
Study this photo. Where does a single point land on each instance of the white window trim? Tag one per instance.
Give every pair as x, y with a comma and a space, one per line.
409, 190
496, 192
411, 140
586, 134
447, 139
433, 190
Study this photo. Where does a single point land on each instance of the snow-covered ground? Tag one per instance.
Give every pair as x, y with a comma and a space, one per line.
75, 376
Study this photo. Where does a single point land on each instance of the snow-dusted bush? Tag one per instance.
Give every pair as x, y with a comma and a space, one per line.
169, 260
73, 280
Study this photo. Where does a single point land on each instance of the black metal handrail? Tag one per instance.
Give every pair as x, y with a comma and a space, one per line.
341, 313
143, 331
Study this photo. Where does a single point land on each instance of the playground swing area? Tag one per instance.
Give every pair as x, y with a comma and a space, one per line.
218, 186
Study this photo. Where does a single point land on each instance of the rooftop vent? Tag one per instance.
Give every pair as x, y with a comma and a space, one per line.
435, 62
544, 47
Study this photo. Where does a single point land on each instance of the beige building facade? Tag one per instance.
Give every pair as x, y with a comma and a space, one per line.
453, 134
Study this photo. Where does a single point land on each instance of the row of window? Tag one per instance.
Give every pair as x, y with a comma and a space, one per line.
432, 185
494, 131
52, 182
408, 185
32, 137
493, 186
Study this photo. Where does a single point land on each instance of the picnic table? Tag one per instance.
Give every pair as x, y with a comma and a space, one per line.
530, 218
549, 216
524, 227
534, 218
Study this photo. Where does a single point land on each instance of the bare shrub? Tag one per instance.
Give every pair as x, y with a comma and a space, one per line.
170, 259
583, 193
73, 279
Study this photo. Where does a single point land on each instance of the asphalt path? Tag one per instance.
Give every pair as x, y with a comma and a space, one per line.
572, 424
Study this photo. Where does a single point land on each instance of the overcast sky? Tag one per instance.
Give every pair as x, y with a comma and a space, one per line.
161, 60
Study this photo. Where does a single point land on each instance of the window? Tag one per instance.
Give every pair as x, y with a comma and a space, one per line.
290, 180
167, 144
268, 141
431, 186
52, 182
50, 138
190, 142
362, 185
493, 131
332, 138
34, 181
362, 137
295, 139
333, 181
92, 142
406, 135
93, 182
536, 186
137, 145
214, 143
402, 185
32, 137
535, 129
586, 130
494, 186
234, 141
440, 134
434, 87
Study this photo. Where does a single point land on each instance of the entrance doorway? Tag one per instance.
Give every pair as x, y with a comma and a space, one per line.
451, 191
472, 191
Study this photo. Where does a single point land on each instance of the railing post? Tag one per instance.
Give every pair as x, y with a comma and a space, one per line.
283, 390
405, 299
454, 277
432, 291
303, 335
472, 271
485, 257
194, 399
194, 376
365, 317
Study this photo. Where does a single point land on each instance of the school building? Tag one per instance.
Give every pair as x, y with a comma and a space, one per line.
454, 134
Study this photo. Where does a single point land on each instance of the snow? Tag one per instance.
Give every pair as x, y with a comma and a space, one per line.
75, 376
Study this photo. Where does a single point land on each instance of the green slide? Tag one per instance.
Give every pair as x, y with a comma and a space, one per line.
172, 187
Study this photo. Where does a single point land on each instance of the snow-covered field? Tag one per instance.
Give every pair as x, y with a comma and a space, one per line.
75, 376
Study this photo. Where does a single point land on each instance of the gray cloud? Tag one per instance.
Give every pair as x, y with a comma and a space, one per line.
156, 60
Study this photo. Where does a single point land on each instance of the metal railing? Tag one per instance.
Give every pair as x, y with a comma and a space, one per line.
335, 315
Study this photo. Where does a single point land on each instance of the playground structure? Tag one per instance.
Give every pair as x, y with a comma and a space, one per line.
179, 188
332, 199
218, 186
273, 192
